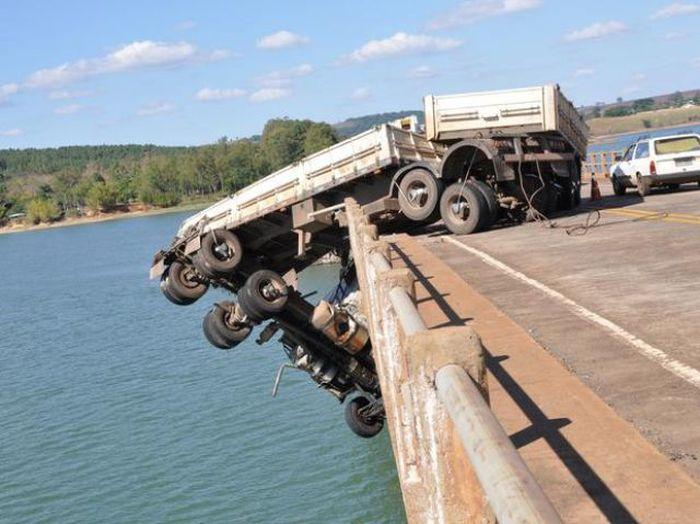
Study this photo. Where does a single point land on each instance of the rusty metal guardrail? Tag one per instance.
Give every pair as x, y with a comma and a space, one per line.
599, 163
455, 461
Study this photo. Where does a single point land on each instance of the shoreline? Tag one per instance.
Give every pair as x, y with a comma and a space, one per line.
103, 217
599, 139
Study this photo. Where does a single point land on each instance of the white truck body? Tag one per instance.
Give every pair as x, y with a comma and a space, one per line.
540, 109
361, 155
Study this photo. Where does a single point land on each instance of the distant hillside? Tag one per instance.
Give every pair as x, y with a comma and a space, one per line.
52, 160
636, 105
352, 126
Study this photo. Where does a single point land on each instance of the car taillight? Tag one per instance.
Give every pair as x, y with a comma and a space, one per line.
652, 167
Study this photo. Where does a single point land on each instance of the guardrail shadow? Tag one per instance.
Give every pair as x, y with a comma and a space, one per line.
453, 319
541, 426
549, 429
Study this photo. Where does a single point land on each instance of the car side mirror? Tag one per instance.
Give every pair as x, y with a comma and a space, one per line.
617, 157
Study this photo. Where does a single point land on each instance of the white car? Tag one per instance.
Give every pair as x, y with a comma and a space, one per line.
663, 161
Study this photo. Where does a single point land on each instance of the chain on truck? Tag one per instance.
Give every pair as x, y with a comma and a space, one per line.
500, 156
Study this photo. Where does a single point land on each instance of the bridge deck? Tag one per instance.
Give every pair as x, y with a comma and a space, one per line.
592, 464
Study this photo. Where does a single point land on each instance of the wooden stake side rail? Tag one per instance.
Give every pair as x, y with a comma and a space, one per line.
454, 460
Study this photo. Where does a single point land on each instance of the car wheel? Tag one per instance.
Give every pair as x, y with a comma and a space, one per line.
463, 209
419, 195
359, 424
491, 202
264, 295
182, 285
642, 186
219, 331
219, 255
618, 188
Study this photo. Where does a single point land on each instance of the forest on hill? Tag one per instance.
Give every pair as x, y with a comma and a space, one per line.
47, 184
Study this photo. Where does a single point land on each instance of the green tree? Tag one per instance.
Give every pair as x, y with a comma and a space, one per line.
643, 104
677, 99
283, 141
43, 209
159, 182
244, 165
101, 197
318, 136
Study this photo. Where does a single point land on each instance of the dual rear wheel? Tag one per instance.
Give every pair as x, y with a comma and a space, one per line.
469, 207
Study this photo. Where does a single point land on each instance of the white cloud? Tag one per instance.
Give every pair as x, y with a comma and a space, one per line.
69, 95
7, 90
675, 9
208, 94
584, 71
155, 108
675, 35
423, 71
638, 77
136, 55
12, 132
269, 93
630, 89
401, 44
69, 109
475, 10
595, 31
361, 94
284, 77
186, 25
282, 39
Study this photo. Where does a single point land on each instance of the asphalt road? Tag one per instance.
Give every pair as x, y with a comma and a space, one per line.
618, 302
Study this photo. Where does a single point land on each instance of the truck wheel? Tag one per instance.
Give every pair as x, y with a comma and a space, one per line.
491, 203
463, 208
642, 186
219, 255
360, 425
419, 195
219, 331
264, 294
619, 188
181, 285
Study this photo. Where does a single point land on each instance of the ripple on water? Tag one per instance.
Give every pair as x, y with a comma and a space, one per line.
115, 409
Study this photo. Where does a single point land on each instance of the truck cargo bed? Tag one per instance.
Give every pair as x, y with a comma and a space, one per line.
370, 152
542, 109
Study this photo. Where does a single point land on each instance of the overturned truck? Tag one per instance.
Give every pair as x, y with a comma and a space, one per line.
485, 157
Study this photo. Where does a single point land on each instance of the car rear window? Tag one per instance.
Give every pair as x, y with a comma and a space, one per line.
677, 145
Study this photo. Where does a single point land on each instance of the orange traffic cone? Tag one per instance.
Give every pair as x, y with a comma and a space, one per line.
595, 190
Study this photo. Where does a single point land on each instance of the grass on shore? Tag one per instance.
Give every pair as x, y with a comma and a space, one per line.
645, 121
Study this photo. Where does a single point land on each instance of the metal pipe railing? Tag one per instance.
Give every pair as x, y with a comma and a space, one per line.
512, 491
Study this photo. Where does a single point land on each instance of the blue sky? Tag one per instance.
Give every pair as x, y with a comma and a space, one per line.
183, 73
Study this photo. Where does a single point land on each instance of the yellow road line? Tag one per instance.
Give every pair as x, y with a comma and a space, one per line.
680, 218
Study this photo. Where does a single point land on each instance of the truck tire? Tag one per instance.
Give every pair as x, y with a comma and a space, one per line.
419, 195
219, 255
219, 332
361, 426
491, 203
463, 209
264, 294
181, 285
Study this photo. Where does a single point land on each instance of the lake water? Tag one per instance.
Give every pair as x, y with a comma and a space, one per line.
622, 142
114, 408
